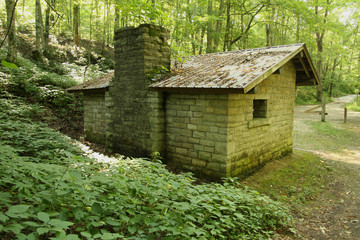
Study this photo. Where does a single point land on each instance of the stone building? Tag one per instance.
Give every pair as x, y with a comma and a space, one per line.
95, 96
219, 114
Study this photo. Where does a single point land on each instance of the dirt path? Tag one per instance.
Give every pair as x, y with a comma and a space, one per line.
335, 110
337, 214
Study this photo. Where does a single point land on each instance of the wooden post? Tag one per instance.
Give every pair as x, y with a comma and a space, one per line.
345, 115
323, 107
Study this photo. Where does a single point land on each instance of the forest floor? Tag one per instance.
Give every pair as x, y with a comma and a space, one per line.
334, 213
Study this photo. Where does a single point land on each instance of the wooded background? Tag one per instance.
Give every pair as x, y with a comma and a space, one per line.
330, 28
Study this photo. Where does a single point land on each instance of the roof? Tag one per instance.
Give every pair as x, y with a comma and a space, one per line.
242, 69
99, 83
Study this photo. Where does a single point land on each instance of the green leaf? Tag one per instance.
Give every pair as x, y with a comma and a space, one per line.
110, 236
18, 211
3, 217
1, 227
5, 197
57, 223
97, 224
72, 237
41, 230
78, 213
132, 229
9, 64
15, 228
75, 174
22, 236
113, 223
86, 234
96, 208
32, 224
42, 216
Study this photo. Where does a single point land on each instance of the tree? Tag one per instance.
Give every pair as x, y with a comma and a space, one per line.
10, 16
245, 12
39, 35
319, 34
47, 27
76, 23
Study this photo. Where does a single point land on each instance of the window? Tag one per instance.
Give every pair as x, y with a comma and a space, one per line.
260, 108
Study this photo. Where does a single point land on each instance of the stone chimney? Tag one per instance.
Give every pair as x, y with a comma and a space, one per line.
136, 114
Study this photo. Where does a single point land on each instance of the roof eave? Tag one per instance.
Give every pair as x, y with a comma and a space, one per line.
88, 90
197, 90
317, 80
273, 69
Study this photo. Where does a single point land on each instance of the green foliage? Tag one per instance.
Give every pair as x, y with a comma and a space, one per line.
49, 191
306, 95
106, 64
9, 64
354, 105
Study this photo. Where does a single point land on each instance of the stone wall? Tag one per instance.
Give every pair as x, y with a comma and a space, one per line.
218, 136
136, 122
94, 117
254, 141
197, 133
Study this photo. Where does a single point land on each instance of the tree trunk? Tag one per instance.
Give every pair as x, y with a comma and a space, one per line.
91, 18
47, 29
39, 36
298, 29
117, 17
104, 30
219, 25
319, 43
332, 78
210, 30
202, 40
227, 28
76, 23
10, 16
269, 28
70, 19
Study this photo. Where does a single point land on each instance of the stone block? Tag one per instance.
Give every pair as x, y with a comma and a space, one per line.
199, 163
198, 134
204, 156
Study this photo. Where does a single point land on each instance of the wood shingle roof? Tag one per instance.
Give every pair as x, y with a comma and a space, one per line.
242, 69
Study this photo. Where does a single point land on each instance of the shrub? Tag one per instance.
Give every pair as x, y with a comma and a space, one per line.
49, 191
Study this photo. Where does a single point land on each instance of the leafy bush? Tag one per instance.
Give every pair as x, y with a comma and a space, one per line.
305, 95
49, 191
106, 64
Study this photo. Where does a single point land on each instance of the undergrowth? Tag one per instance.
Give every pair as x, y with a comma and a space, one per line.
48, 190
354, 105
45, 91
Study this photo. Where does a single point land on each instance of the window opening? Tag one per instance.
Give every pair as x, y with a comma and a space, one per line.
260, 108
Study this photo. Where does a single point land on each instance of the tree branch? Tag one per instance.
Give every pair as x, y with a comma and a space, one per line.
52, 8
11, 20
248, 25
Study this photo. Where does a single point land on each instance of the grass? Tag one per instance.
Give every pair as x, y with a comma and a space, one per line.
354, 105
295, 180
327, 136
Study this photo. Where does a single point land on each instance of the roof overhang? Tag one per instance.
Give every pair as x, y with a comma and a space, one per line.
306, 74
244, 69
